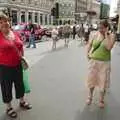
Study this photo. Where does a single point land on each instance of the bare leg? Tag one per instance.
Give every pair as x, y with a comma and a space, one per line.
89, 100
102, 95
53, 46
65, 42
10, 111
8, 105
24, 104
22, 99
55, 43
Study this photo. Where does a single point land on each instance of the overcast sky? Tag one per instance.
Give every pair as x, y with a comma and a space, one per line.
113, 4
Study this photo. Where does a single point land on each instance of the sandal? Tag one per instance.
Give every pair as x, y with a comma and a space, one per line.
102, 104
25, 105
11, 113
89, 100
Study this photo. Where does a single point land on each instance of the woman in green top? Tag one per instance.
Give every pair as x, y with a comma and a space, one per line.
99, 55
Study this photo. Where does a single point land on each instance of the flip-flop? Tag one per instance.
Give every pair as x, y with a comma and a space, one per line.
11, 113
89, 101
102, 104
25, 105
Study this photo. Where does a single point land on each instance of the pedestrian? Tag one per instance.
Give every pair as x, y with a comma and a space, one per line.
99, 54
86, 34
81, 33
54, 37
74, 31
60, 31
10, 67
31, 36
66, 32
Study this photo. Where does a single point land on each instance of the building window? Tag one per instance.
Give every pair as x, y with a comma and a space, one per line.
36, 2
23, 17
41, 18
29, 1
49, 19
30, 16
14, 17
36, 17
46, 20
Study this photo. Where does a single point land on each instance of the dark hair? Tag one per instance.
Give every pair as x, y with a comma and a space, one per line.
105, 23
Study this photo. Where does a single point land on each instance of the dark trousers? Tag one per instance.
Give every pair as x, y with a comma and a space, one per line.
8, 76
74, 34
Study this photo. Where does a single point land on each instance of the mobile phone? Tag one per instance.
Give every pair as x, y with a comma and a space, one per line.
108, 33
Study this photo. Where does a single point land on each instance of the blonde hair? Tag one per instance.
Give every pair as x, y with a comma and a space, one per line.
3, 16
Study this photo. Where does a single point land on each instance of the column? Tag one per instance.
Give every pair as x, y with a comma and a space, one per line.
43, 19
51, 20
48, 17
19, 16
26, 17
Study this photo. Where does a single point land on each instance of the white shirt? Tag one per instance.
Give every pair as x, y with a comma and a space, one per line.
54, 33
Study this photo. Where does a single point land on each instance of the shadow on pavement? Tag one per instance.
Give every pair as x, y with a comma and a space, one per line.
82, 44
51, 51
88, 113
59, 48
5, 117
93, 112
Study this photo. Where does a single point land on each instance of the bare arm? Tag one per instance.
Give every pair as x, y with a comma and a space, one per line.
109, 41
89, 45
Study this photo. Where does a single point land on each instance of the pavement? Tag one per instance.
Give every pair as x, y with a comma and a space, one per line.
58, 85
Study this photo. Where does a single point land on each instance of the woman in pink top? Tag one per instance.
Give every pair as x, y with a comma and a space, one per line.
10, 66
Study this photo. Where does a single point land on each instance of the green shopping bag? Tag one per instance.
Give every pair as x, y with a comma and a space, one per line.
26, 80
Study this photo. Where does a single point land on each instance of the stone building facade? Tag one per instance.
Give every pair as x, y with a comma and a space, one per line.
80, 10
66, 10
95, 7
35, 11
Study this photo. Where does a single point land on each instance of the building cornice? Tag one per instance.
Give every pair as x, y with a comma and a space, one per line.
11, 5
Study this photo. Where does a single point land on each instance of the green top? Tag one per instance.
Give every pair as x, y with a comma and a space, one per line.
101, 53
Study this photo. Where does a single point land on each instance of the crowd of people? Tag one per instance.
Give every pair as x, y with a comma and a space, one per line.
67, 32
82, 31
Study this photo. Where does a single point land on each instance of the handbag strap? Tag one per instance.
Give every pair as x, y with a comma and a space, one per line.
97, 45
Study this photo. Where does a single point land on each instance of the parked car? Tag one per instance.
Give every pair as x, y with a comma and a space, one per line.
24, 31
48, 32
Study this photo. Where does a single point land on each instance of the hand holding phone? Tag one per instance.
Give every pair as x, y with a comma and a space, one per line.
107, 32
